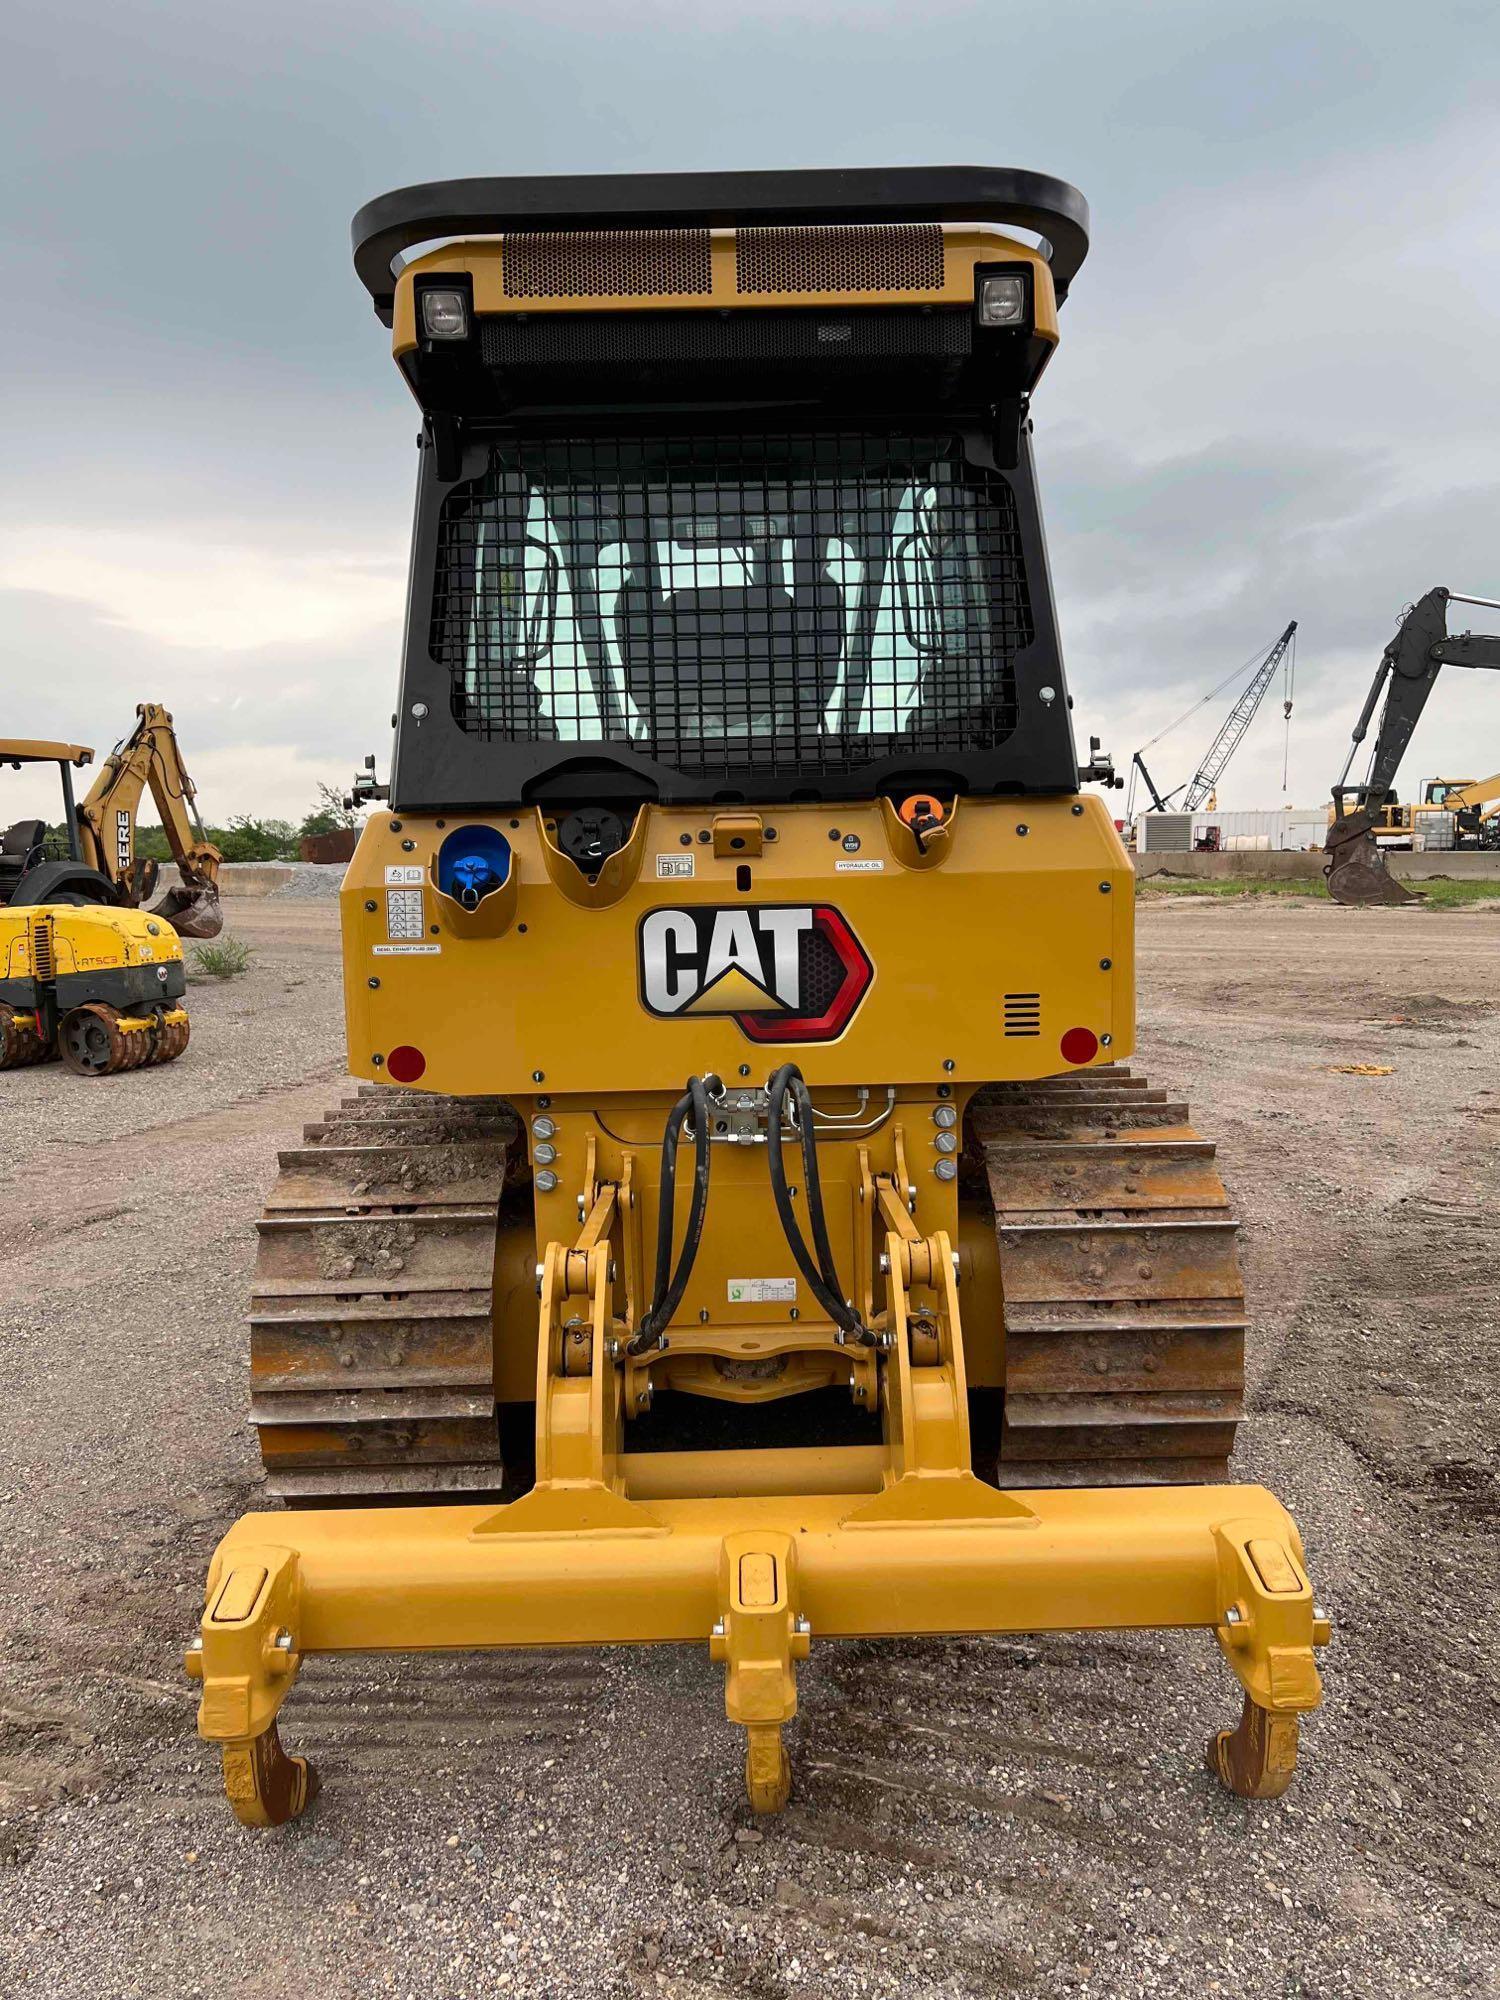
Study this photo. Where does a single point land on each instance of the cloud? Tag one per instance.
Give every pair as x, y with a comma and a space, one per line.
1273, 417
259, 727
1273, 398
171, 584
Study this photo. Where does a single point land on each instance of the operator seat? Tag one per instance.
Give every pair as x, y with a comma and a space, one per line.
21, 848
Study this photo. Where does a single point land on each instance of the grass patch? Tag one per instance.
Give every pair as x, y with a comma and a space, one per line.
1456, 895
1436, 895
224, 960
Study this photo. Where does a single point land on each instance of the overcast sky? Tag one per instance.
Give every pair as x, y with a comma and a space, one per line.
1277, 395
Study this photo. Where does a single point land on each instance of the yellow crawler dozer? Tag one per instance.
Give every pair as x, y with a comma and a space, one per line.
745, 1234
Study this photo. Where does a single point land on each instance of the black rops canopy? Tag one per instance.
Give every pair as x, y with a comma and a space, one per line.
393, 223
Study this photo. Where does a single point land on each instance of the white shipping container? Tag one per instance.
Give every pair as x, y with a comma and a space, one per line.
1293, 829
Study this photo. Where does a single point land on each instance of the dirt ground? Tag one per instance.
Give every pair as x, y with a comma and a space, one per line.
970, 1818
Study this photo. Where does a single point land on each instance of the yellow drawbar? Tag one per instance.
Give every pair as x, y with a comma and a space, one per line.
748, 1232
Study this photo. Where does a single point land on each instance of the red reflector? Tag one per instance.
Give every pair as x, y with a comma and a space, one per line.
406, 1064
1079, 1045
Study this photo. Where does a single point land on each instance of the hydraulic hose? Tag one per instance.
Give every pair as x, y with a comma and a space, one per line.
676, 1118
819, 1271
667, 1291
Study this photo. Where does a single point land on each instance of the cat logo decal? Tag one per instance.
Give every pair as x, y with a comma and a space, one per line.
783, 972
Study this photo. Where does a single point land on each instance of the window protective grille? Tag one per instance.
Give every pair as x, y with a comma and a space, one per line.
784, 601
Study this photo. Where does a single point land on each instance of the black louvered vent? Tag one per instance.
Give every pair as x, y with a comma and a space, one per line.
1023, 1013
43, 965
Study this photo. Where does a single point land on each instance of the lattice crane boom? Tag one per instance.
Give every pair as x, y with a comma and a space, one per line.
1238, 720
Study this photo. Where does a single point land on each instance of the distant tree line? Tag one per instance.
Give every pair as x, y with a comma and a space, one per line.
245, 838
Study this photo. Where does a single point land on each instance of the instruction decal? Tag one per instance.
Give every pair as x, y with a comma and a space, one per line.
762, 1291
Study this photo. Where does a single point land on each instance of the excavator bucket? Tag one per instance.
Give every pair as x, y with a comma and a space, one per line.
1357, 872
193, 912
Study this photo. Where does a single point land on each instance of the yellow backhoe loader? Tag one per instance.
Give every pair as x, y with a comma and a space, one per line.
746, 1234
85, 973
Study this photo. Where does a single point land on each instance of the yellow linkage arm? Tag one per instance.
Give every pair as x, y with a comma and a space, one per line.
148, 756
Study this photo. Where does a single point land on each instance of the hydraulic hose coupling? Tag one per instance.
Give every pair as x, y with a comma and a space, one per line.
671, 1280
816, 1265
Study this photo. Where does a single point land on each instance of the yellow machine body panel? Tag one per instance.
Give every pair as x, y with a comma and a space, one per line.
100, 985
982, 954
82, 938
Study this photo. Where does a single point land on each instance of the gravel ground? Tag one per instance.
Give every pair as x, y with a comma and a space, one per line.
305, 881
970, 1818
311, 881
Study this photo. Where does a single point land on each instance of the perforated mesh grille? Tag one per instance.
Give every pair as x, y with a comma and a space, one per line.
871, 257
821, 973
788, 602
606, 263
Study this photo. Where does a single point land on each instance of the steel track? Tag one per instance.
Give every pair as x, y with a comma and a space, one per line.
1124, 1304
371, 1359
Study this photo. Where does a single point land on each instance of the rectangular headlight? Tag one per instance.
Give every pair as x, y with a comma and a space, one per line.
445, 315
1002, 300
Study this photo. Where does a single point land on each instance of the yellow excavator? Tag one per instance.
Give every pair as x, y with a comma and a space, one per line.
1363, 813
85, 973
745, 1234
1474, 804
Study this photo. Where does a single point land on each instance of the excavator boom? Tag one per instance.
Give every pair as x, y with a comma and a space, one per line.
150, 757
1356, 868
